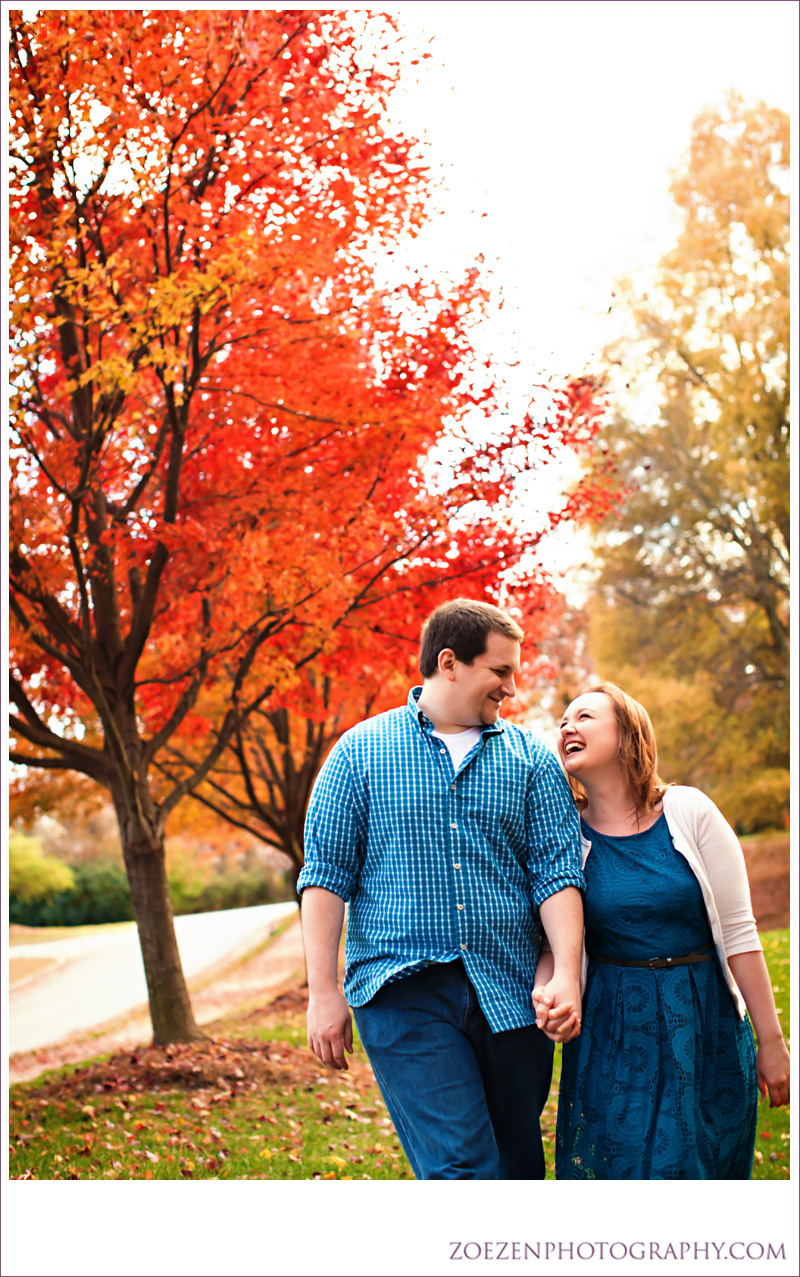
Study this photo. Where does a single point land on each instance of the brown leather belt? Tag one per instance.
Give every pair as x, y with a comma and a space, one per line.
655, 964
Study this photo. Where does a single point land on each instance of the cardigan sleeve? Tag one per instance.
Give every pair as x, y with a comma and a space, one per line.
723, 859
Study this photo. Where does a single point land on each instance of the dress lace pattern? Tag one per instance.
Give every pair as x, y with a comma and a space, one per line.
661, 1082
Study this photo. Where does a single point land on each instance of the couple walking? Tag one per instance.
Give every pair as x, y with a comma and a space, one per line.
481, 931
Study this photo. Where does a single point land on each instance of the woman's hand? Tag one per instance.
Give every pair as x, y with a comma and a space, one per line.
556, 1019
772, 1071
772, 1060
557, 1005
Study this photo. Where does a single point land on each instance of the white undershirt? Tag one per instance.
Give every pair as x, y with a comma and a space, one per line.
459, 743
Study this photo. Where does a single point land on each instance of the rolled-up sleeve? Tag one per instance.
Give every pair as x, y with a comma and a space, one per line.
553, 828
334, 832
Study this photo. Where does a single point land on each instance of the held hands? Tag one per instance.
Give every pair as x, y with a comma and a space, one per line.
330, 1029
558, 1009
772, 1071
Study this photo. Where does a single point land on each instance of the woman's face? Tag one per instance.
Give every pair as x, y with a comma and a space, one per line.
589, 735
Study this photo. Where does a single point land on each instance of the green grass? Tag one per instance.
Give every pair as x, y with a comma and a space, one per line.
22, 968
772, 1139
304, 1122
313, 1131
37, 935
107, 1120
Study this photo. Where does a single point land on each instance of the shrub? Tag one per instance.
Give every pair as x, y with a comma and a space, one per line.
97, 891
32, 876
99, 894
227, 888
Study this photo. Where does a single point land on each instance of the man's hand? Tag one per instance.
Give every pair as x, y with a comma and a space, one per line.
557, 996
330, 1029
558, 1009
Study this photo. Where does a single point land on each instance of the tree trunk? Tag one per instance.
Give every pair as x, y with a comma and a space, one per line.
170, 1008
293, 873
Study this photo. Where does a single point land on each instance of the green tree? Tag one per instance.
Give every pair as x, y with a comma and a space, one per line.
694, 568
32, 875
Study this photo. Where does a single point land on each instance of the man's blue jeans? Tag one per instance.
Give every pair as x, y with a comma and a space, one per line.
465, 1101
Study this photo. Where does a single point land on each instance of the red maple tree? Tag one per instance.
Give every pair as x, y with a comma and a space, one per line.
221, 423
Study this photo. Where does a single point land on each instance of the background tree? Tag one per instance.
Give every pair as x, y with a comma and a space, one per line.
221, 423
263, 783
32, 874
692, 602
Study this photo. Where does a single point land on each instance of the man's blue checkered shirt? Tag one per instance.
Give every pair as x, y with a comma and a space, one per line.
438, 865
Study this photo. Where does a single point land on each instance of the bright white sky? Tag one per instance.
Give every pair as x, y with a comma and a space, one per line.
554, 128
561, 122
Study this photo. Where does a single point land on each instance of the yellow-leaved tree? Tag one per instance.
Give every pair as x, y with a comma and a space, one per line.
691, 610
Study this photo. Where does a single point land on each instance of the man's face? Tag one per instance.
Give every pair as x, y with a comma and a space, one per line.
480, 688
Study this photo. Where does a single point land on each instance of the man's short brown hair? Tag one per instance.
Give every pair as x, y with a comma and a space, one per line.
463, 625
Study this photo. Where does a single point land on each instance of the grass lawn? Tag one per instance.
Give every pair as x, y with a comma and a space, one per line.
253, 1103
37, 935
772, 1139
22, 968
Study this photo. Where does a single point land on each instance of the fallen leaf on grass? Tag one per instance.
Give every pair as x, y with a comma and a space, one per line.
355, 1117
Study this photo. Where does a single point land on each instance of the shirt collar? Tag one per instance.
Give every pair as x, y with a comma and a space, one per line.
426, 724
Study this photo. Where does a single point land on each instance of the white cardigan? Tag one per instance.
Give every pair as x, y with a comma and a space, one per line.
703, 836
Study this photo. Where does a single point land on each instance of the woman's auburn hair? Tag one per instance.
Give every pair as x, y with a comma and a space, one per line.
637, 750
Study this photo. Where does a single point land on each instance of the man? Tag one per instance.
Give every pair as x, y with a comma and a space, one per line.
452, 834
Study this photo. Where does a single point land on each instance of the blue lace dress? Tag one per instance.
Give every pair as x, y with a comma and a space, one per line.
661, 1082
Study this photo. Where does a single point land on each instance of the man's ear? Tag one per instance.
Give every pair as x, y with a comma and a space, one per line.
447, 663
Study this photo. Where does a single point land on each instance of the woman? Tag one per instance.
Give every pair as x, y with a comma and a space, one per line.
662, 1081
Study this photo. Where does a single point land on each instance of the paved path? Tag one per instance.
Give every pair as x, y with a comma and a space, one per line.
100, 976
